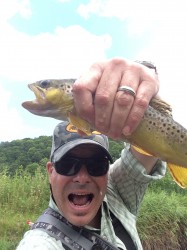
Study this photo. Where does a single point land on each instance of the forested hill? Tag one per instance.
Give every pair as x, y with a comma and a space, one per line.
26, 153
33, 153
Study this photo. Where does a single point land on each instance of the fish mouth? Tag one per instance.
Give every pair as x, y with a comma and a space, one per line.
39, 92
38, 104
80, 200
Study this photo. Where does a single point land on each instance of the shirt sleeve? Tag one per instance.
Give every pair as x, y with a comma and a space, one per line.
129, 180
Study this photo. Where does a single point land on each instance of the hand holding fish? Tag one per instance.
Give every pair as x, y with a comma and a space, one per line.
138, 118
108, 110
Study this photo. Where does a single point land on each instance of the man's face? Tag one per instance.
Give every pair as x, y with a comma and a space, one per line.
79, 197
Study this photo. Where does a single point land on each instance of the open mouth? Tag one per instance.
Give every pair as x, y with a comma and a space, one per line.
81, 199
39, 92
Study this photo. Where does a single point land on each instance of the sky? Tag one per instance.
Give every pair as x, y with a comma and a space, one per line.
62, 38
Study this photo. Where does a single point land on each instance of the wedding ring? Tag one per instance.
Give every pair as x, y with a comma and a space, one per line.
128, 90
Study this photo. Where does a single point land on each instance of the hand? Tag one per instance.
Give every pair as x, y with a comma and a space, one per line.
110, 111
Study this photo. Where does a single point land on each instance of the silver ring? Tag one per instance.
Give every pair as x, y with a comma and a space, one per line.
128, 90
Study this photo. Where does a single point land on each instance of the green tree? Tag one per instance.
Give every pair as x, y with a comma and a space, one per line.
115, 148
32, 168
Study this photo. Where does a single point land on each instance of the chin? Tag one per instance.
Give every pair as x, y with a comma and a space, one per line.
79, 220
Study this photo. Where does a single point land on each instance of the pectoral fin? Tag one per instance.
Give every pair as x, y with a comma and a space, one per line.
80, 124
141, 151
179, 174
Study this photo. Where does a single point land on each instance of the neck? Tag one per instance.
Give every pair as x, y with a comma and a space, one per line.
96, 222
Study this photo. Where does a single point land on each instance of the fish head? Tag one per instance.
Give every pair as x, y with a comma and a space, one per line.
53, 98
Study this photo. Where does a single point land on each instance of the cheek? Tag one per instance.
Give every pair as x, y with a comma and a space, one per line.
58, 185
55, 178
58, 182
102, 184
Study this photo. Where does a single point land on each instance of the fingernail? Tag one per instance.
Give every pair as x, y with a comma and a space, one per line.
126, 131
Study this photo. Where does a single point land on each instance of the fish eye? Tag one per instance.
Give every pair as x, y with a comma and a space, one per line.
44, 84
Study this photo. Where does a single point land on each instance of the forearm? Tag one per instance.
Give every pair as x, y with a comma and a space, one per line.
147, 161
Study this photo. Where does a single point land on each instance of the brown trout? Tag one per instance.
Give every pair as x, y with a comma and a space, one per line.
158, 134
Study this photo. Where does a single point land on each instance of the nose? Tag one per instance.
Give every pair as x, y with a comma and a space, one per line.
82, 176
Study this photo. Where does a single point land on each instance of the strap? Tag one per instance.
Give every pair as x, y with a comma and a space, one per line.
122, 233
69, 232
72, 237
52, 234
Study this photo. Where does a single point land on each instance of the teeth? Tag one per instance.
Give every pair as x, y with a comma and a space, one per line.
80, 199
80, 194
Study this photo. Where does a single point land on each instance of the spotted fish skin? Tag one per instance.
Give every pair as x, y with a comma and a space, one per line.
161, 136
158, 134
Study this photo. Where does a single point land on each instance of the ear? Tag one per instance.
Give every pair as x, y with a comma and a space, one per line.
49, 167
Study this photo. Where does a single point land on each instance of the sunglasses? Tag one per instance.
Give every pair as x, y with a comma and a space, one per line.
69, 166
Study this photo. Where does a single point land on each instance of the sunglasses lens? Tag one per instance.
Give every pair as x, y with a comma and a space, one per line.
71, 166
67, 166
98, 167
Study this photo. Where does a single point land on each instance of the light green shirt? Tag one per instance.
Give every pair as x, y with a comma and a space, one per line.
127, 184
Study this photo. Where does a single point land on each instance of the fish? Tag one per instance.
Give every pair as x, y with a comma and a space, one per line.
158, 134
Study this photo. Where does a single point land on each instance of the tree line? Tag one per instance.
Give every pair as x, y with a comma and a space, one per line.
31, 154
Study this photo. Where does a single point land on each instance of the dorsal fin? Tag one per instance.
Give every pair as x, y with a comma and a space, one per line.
162, 106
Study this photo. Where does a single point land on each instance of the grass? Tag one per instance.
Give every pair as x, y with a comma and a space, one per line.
7, 245
22, 197
162, 221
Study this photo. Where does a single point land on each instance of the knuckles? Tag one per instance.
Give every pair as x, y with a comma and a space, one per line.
123, 99
142, 103
103, 99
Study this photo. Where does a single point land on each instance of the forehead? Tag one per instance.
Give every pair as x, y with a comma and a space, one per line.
85, 150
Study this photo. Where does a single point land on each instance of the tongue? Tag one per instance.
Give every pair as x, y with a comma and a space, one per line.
80, 200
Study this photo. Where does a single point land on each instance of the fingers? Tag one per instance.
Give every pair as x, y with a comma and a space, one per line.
84, 91
95, 91
110, 111
147, 89
124, 101
106, 94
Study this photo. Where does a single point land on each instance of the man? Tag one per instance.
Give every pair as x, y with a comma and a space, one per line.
90, 195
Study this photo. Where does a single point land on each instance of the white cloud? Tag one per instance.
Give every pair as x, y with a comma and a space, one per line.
168, 51
11, 125
140, 15
66, 52
9, 8
105, 8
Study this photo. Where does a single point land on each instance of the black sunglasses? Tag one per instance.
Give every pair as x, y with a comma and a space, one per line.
69, 166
